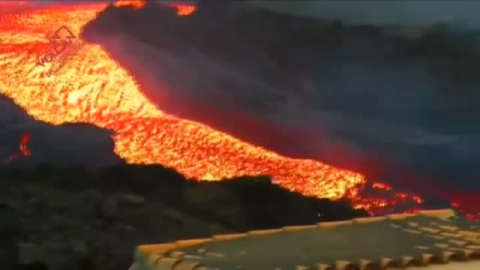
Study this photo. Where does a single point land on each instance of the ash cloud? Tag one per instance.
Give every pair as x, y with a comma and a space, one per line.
360, 97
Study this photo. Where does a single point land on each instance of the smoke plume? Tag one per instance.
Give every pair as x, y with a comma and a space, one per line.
357, 108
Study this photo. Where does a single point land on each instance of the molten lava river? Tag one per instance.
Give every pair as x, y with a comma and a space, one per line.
92, 88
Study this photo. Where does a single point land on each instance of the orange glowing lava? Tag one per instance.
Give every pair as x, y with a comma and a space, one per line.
92, 88
184, 10
23, 149
136, 4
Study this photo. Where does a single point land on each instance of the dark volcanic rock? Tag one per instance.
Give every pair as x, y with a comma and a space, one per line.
9, 232
73, 145
73, 217
266, 44
257, 203
64, 145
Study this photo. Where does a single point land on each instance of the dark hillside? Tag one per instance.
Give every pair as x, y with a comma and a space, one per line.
73, 204
62, 217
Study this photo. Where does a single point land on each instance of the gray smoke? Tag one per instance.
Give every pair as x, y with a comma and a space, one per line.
404, 115
404, 12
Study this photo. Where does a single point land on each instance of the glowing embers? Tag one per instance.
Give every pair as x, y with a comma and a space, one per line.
136, 4
23, 150
381, 199
184, 9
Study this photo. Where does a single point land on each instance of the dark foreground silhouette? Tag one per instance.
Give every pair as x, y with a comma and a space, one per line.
73, 204
82, 219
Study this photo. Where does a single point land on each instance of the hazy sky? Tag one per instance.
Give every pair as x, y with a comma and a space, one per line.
464, 12
385, 12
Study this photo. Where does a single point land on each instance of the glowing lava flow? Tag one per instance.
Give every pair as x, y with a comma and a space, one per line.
182, 9
136, 4
93, 88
